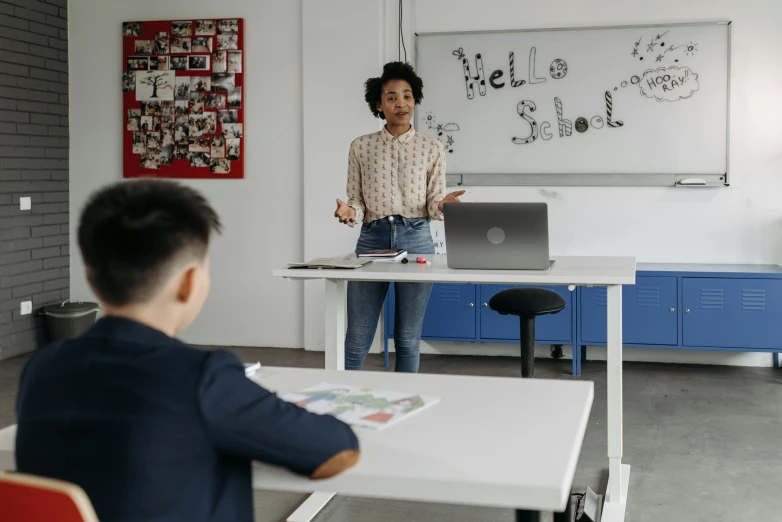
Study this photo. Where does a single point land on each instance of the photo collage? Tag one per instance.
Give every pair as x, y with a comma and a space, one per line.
182, 84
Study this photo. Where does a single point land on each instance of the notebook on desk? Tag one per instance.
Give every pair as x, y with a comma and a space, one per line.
332, 263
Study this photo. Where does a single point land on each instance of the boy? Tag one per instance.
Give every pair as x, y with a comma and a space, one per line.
150, 428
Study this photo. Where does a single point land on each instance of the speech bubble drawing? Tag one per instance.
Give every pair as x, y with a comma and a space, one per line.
671, 84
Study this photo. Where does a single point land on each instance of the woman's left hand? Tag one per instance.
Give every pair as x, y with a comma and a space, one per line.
453, 197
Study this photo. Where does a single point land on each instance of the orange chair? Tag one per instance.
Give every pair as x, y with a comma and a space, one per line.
29, 498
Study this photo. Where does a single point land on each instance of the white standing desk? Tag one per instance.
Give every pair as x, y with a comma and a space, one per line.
490, 441
611, 272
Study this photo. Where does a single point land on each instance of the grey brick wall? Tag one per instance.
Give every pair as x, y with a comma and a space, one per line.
34, 256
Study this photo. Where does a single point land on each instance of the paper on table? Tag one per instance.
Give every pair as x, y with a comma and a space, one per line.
366, 407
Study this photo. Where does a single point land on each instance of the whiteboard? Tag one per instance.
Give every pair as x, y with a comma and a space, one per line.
627, 105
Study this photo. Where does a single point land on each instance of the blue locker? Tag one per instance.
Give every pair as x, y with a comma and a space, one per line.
553, 329
732, 313
451, 313
649, 315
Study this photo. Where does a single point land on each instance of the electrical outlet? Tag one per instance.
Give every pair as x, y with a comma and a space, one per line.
27, 307
25, 203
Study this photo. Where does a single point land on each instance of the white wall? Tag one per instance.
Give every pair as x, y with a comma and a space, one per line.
262, 213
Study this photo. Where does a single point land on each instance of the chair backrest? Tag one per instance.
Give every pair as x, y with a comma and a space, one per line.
30, 498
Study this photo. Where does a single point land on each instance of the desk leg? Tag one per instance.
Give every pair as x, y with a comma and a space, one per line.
311, 507
618, 473
336, 316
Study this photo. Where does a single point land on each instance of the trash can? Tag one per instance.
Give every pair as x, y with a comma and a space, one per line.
69, 319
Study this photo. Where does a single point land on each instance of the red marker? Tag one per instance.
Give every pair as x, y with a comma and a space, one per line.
421, 260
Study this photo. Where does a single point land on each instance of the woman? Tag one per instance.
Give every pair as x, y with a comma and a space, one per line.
396, 185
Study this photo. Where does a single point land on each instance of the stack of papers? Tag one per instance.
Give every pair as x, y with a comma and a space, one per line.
365, 407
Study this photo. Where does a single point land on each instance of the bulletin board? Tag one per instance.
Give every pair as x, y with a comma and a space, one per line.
183, 98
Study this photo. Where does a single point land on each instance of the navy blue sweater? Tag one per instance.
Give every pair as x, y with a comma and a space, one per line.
154, 430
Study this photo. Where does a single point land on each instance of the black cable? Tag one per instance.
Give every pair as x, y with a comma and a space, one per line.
399, 36
401, 33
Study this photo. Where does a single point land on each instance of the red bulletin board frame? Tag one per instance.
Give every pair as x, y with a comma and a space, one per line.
179, 168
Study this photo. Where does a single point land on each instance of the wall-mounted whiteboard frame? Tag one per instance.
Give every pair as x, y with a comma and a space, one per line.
593, 179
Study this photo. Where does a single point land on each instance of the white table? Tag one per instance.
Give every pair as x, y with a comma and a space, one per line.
490, 441
611, 272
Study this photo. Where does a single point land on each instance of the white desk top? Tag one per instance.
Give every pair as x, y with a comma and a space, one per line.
576, 270
490, 441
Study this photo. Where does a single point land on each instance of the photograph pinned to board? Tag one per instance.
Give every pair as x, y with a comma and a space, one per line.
232, 130
235, 98
181, 152
149, 161
218, 146
178, 63
181, 28
233, 146
180, 45
158, 63
198, 62
137, 63
228, 116
228, 27
223, 82
161, 43
166, 155
130, 29
227, 42
134, 119
197, 102
234, 62
182, 88
219, 166
128, 81
202, 44
139, 143
360, 406
215, 100
219, 61
200, 144
205, 27
181, 133
144, 47
199, 159
200, 83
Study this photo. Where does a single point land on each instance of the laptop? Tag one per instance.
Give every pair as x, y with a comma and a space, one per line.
497, 236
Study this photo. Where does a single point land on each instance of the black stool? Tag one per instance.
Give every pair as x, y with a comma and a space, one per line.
527, 304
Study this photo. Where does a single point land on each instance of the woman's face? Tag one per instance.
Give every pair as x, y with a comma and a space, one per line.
397, 102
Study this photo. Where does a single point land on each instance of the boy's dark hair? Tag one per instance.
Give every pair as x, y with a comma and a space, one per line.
373, 87
133, 233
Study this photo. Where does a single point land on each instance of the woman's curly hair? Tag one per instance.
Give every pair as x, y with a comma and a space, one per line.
373, 87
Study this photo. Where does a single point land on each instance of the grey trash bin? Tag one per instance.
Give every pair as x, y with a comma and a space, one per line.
69, 319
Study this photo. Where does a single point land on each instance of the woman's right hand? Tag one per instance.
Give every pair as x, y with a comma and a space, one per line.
345, 213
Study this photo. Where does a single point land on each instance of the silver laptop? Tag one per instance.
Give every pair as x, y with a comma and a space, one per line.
497, 236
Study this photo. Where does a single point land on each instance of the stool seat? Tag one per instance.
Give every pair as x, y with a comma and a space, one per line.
525, 302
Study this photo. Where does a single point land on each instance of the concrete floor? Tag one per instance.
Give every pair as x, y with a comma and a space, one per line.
704, 441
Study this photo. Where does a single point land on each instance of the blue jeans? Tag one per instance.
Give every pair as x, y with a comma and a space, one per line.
365, 298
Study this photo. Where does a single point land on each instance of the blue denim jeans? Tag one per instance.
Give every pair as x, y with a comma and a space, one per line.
365, 298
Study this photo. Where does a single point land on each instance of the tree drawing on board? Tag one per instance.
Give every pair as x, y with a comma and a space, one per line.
155, 81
